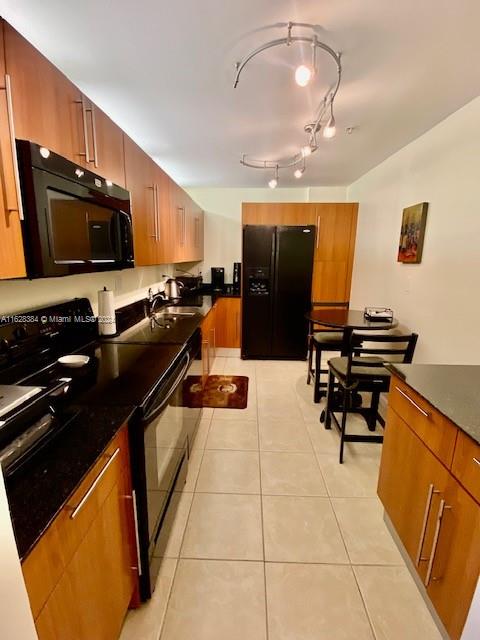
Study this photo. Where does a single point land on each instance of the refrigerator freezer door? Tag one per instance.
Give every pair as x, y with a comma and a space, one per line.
258, 263
292, 290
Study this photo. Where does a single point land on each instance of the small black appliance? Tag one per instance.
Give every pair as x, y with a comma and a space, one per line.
218, 278
237, 276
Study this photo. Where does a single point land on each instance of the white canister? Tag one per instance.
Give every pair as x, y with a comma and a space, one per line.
106, 313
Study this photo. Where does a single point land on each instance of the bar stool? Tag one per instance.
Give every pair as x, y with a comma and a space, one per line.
318, 341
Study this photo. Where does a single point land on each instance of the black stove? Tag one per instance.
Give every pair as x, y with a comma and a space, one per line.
115, 375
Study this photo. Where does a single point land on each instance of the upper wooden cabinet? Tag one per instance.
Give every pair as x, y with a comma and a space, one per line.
336, 226
140, 181
50, 110
12, 260
187, 226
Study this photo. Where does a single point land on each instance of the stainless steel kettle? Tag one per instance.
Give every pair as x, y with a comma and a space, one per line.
173, 289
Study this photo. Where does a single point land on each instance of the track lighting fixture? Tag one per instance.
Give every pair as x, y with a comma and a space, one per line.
274, 181
304, 74
330, 129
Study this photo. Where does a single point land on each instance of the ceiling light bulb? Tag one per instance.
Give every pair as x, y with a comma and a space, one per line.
273, 183
330, 130
44, 152
298, 173
303, 75
306, 150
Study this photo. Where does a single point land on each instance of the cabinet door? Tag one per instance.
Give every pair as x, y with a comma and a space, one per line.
165, 221
455, 558
105, 145
12, 258
92, 597
140, 181
228, 322
334, 249
411, 484
46, 105
197, 218
179, 214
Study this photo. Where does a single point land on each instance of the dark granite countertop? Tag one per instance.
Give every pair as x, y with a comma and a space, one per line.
452, 389
36, 497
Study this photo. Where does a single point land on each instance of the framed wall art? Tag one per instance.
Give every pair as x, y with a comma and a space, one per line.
412, 233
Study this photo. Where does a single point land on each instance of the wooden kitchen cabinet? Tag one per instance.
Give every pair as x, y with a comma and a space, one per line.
46, 105
228, 322
81, 576
12, 260
411, 484
140, 181
336, 226
437, 519
104, 144
50, 110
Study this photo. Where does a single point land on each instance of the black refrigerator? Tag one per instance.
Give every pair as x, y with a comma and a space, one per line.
276, 290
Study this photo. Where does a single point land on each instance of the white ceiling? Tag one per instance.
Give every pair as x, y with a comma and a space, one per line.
163, 70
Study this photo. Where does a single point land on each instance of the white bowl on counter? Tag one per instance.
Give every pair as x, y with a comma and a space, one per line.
74, 361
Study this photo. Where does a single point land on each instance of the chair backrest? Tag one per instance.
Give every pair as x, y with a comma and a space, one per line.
388, 347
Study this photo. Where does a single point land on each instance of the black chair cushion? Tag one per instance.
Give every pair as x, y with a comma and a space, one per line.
328, 338
339, 366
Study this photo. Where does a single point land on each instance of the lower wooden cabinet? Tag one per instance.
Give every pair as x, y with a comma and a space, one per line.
434, 513
209, 340
81, 582
228, 322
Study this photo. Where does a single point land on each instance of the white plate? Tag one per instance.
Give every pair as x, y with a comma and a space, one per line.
73, 361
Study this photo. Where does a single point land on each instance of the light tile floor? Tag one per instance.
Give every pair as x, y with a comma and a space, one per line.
270, 538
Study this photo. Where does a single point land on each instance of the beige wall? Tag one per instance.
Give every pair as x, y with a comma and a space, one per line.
128, 285
439, 297
223, 217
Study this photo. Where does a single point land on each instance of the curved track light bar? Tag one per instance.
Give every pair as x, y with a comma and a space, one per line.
326, 105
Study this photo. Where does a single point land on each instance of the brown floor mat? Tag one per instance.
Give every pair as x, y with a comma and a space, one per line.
218, 392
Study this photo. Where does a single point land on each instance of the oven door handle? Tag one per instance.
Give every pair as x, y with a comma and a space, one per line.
151, 414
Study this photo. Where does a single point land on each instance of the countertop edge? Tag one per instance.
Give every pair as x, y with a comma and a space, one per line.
469, 431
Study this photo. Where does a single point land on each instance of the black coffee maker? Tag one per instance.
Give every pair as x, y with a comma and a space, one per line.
237, 276
218, 278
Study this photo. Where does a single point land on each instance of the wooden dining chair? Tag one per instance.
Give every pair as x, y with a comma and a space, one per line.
319, 341
363, 370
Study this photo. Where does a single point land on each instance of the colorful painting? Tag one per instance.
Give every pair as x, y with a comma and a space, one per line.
412, 233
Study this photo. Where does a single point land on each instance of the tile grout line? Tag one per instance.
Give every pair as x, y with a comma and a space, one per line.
261, 511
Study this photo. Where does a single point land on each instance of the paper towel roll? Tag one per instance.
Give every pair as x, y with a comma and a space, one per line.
106, 313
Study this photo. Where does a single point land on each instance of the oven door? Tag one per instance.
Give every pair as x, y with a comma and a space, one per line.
168, 431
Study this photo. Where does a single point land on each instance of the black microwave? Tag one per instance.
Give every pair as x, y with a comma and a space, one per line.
74, 221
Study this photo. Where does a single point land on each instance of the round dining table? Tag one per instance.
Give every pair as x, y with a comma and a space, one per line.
347, 321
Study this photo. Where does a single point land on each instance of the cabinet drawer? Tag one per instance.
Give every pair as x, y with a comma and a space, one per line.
438, 433
77, 515
466, 464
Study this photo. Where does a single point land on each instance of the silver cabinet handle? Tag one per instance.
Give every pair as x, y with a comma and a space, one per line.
94, 136
318, 231
184, 218
181, 211
154, 193
197, 233
441, 511
476, 461
157, 212
82, 502
85, 154
428, 505
427, 415
13, 147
